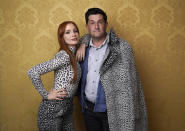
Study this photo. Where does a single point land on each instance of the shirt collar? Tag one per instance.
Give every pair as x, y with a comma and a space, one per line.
103, 44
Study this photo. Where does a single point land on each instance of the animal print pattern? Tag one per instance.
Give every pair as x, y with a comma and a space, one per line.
126, 108
51, 110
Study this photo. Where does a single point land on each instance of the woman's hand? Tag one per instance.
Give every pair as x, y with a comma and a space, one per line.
57, 94
80, 53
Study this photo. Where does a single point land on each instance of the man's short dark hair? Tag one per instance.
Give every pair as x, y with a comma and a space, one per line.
94, 11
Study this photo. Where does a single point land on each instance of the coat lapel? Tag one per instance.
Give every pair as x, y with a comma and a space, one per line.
112, 52
111, 55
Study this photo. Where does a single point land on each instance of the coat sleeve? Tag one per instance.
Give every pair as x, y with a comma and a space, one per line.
61, 59
85, 39
141, 122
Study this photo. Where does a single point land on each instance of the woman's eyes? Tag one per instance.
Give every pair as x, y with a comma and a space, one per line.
68, 32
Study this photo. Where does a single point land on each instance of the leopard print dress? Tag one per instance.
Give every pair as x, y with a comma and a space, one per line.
53, 114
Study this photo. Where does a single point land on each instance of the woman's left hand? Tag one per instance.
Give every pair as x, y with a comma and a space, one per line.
80, 53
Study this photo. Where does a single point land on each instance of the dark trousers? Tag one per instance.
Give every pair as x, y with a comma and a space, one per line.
95, 121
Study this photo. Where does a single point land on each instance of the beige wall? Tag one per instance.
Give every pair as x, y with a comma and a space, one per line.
154, 28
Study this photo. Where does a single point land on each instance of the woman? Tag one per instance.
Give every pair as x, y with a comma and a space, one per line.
56, 109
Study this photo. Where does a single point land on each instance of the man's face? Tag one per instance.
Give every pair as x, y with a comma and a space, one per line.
96, 26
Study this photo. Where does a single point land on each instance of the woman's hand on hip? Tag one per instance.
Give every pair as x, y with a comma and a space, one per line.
57, 94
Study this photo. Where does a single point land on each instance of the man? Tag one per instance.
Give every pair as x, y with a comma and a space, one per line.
111, 94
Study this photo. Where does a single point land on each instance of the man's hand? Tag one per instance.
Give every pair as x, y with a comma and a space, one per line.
80, 53
57, 94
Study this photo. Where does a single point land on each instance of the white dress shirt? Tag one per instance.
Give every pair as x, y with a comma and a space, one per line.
95, 60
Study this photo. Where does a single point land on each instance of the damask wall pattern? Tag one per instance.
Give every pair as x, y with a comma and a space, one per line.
154, 28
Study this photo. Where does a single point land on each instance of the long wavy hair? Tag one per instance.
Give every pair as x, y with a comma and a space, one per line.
63, 45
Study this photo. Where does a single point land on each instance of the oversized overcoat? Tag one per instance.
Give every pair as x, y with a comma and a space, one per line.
125, 100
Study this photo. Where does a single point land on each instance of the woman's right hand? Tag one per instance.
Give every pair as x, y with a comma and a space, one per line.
57, 94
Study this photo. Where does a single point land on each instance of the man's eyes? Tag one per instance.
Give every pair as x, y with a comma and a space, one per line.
100, 22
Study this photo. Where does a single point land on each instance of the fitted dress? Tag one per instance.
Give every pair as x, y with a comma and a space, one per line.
55, 115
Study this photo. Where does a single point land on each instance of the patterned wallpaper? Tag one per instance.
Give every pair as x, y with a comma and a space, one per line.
154, 28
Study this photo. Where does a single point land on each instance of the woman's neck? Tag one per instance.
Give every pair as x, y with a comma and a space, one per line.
72, 48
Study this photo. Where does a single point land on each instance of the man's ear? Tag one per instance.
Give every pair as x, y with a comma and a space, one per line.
107, 24
87, 27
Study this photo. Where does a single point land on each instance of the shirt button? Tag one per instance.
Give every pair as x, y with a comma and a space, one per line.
96, 59
95, 71
93, 81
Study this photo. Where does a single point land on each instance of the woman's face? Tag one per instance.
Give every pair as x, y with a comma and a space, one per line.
71, 35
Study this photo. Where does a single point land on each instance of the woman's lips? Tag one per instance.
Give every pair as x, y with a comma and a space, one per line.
74, 39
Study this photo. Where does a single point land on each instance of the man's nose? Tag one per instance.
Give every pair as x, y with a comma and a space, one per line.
96, 25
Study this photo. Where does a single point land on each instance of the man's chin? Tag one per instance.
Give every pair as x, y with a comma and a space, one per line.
98, 36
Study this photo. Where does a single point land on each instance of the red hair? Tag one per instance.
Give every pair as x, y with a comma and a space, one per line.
63, 45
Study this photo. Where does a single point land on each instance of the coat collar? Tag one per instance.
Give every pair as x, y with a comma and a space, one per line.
113, 37
112, 52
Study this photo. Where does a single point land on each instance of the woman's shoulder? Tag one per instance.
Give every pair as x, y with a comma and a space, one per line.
62, 53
